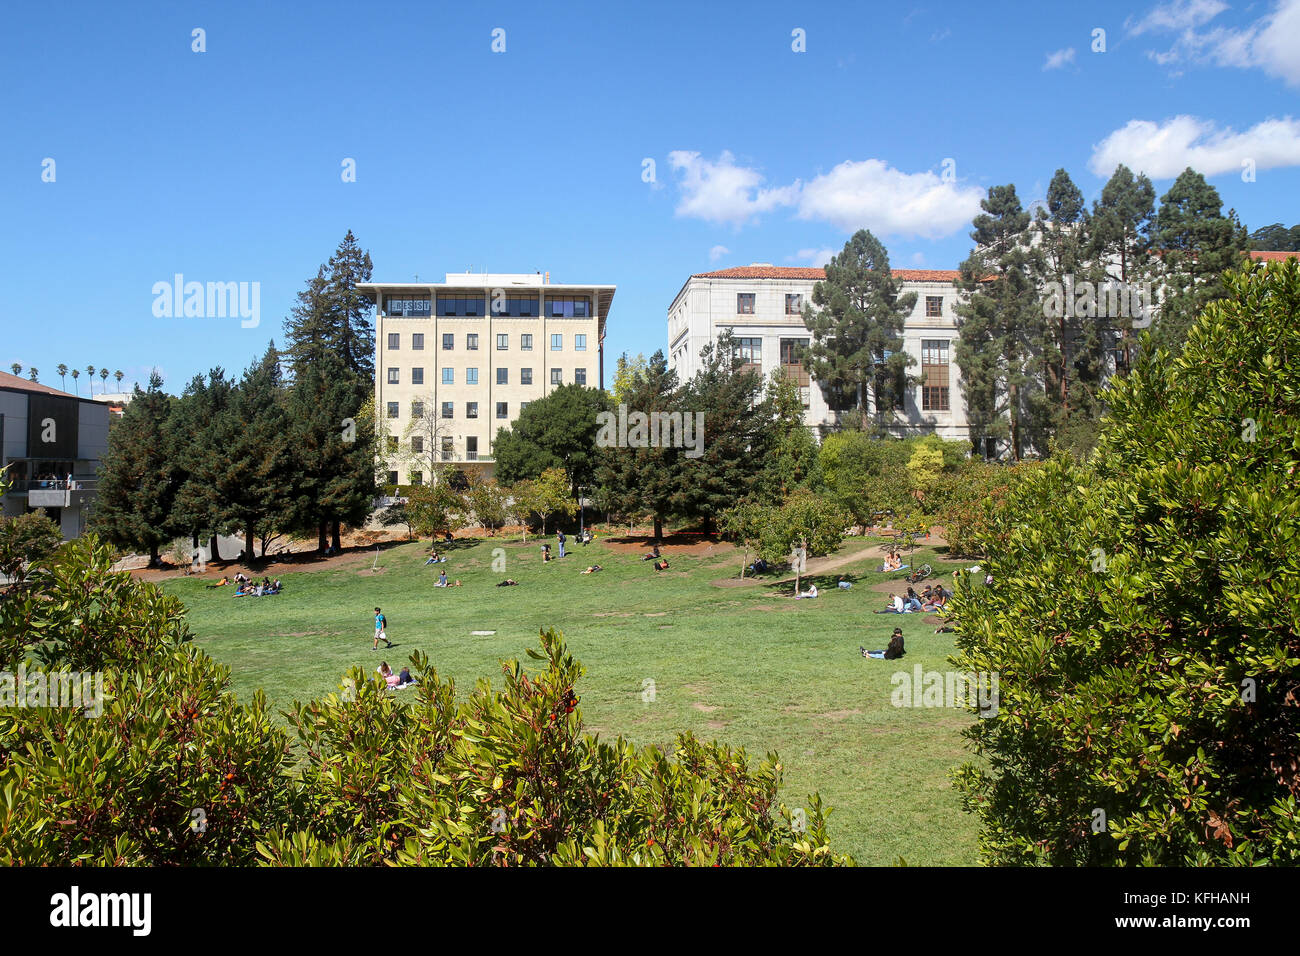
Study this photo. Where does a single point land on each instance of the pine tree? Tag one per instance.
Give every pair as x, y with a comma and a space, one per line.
1120, 239
856, 319
196, 435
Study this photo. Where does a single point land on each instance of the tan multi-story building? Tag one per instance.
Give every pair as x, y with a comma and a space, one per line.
458, 360
763, 304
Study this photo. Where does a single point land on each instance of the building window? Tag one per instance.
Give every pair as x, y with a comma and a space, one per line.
392, 478
792, 352
580, 376
471, 448
448, 341
394, 341
503, 409
471, 409
886, 389
448, 409
471, 341
793, 304
394, 376
392, 444
460, 304
934, 374
417, 341
580, 343
525, 376
568, 307
417, 477
522, 406
526, 341
446, 449
449, 376
933, 306
417, 444
406, 305
503, 376
557, 342
503, 341
417, 409
750, 352
417, 376
557, 376
519, 306
744, 303
471, 376
392, 409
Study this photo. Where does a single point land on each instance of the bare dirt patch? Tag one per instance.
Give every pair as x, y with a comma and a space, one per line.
674, 544
716, 724
705, 708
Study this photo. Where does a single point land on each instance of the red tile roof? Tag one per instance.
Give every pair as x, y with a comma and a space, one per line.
27, 385
817, 272
1258, 254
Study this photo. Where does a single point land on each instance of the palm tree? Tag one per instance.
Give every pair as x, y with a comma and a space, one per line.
17, 367
63, 376
103, 377
118, 375
90, 373
32, 373
76, 374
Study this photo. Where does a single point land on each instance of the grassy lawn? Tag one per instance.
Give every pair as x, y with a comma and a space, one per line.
744, 665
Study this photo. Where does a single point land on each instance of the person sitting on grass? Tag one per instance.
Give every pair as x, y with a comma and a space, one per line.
405, 679
810, 593
891, 653
843, 583
507, 583
938, 598
592, 570
434, 558
911, 602
895, 605
661, 565
442, 580
546, 553
759, 566
387, 674
454, 584
653, 555
220, 584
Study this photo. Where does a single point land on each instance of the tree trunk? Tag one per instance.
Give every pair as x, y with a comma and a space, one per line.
659, 529
322, 537
249, 537
216, 554
153, 554
334, 532
194, 539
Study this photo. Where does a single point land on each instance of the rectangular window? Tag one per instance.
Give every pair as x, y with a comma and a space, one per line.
448, 376
471, 341
471, 448
392, 409
580, 376
417, 409
392, 478
446, 449
448, 409
525, 376
503, 341
792, 352
557, 342
394, 376
793, 304
744, 303
417, 341
568, 307
392, 444
460, 304
518, 305
406, 305
526, 341
934, 374
394, 341
417, 477
522, 406
580, 343
471, 376
471, 409
417, 444
503, 376
557, 376
503, 409
448, 341
933, 306
750, 352
417, 376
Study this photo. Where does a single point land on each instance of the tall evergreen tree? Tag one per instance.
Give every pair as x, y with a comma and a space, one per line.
138, 479
856, 318
1120, 239
191, 440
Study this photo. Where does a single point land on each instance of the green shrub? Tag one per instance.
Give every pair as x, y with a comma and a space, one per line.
1143, 618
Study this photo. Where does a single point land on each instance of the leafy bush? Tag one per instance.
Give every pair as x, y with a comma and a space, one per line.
966, 502
1143, 618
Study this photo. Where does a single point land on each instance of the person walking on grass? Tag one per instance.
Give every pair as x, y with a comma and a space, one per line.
559, 536
381, 630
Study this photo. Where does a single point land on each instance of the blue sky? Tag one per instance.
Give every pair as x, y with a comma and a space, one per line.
225, 165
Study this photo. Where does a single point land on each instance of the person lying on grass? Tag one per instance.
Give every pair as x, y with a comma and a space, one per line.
661, 565
220, 584
891, 653
507, 583
653, 555
592, 570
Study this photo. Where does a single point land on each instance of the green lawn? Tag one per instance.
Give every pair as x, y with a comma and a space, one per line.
744, 665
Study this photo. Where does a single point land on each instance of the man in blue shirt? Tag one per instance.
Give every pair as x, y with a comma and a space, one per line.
381, 630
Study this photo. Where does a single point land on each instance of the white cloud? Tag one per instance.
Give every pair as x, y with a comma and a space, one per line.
724, 192
1270, 43
1059, 59
918, 259
870, 194
813, 257
717, 252
1163, 150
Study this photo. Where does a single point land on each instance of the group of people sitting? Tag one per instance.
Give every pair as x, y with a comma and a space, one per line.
246, 586
404, 679
891, 653
442, 581
932, 598
893, 562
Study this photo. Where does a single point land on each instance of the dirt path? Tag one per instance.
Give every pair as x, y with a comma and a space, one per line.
816, 566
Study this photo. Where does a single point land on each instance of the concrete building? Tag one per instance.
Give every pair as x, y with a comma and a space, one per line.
46, 438
458, 360
763, 304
